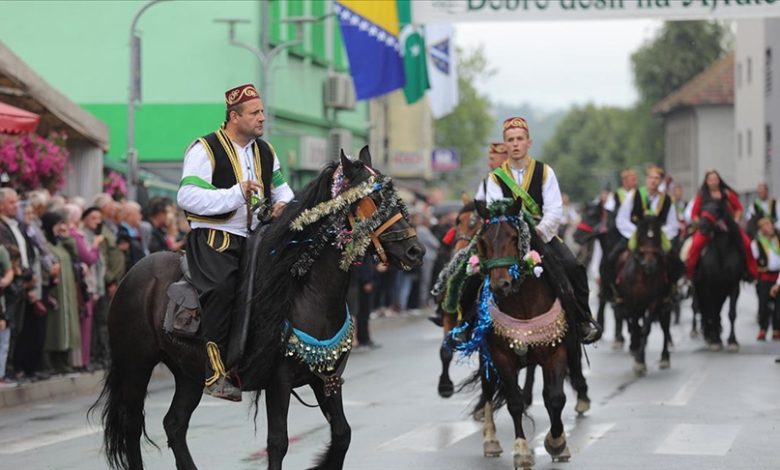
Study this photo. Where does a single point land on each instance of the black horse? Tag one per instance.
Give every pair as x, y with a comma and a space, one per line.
292, 294
598, 226
718, 274
643, 286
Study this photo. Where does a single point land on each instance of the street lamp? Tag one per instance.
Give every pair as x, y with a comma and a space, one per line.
134, 96
266, 54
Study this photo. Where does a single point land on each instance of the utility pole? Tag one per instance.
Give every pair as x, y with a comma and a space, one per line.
134, 97
266, 54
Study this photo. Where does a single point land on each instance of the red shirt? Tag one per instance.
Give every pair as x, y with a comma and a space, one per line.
732, 204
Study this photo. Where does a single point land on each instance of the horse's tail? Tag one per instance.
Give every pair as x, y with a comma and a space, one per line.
491, 390
122, 417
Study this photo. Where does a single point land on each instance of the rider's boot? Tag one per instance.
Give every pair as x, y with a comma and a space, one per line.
218, 384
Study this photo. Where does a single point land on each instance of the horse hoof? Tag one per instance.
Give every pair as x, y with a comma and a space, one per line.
522, 456
582, 406
733, 347
716, 347
492, 448
640, 369
446, 391
617, 345
446, 387
664, 364
555, 446
564, 456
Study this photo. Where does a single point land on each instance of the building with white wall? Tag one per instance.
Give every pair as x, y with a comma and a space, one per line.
699, 123
757, 105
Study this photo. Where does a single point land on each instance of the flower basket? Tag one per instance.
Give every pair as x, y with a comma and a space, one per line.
114, 184
33, 162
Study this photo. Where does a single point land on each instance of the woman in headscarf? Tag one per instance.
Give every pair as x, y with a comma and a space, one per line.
87, 265
63, 335
715, 189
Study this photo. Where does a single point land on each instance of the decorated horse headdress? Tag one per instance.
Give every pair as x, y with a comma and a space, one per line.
360, 212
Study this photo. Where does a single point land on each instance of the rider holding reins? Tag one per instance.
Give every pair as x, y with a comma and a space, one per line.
715, 189
228, 176
520, 176
645, 201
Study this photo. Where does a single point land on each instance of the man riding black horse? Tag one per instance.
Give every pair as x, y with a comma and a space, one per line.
225, 172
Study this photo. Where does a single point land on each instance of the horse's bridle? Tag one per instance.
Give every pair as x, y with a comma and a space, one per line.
365, 208
487, 265
473, 219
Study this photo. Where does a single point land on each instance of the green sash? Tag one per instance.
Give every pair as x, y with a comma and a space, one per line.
769, 245
519, 192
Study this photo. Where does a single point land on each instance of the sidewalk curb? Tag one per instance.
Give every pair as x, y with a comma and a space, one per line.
67, 386
78, 384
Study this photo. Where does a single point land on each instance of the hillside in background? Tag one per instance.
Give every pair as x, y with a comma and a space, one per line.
541, 121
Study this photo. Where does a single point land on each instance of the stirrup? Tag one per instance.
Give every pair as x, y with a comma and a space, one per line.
219, 385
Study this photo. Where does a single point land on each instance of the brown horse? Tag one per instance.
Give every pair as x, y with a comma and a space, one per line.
467, 225
643, 287
519, 322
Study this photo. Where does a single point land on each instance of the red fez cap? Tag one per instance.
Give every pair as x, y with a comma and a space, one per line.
515, 123
240, 94
497, 147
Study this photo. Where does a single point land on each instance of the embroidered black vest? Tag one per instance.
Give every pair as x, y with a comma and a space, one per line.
226, 168
772, 207
534, 188
639, 209
763, 256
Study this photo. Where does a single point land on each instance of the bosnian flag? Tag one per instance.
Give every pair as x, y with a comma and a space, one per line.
370, 32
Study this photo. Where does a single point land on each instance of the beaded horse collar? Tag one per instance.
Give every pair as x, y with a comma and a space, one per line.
547, 329
351, 233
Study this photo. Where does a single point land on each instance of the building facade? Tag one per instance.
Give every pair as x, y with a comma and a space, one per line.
699, 124
757, 105
187, 63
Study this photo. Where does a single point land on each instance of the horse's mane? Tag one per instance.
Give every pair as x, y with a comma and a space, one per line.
468, 207
274, 285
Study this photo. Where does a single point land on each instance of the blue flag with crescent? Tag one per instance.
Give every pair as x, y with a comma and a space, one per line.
370, 33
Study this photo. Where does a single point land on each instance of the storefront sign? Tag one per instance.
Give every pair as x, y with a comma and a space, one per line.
459, 11
445, 160
412, 163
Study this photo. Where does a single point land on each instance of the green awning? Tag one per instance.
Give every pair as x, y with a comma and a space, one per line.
154, 185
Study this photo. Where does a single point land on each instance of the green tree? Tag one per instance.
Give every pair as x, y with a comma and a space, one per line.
468, 126
588, 149
680, 51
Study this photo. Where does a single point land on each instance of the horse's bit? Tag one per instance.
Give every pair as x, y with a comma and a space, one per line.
366, 207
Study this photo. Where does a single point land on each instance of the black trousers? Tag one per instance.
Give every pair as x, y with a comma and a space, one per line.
214, 258
577, 275
765, 312
365, 300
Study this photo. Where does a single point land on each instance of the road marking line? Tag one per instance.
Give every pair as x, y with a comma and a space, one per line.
432, 437
595, 433
699, 439
684, 395
45, 439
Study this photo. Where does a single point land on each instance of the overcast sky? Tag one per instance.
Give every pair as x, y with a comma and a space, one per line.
557, 64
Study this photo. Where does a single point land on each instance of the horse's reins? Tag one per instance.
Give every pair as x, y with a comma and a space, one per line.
366, 207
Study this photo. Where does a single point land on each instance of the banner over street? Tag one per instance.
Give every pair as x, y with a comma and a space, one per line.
460, 11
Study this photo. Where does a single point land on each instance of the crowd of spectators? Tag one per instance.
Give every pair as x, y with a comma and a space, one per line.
61, 260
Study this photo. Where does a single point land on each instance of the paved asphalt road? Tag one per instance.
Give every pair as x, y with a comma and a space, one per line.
709, 411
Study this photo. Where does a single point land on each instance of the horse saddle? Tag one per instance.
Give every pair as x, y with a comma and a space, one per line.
182, 316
